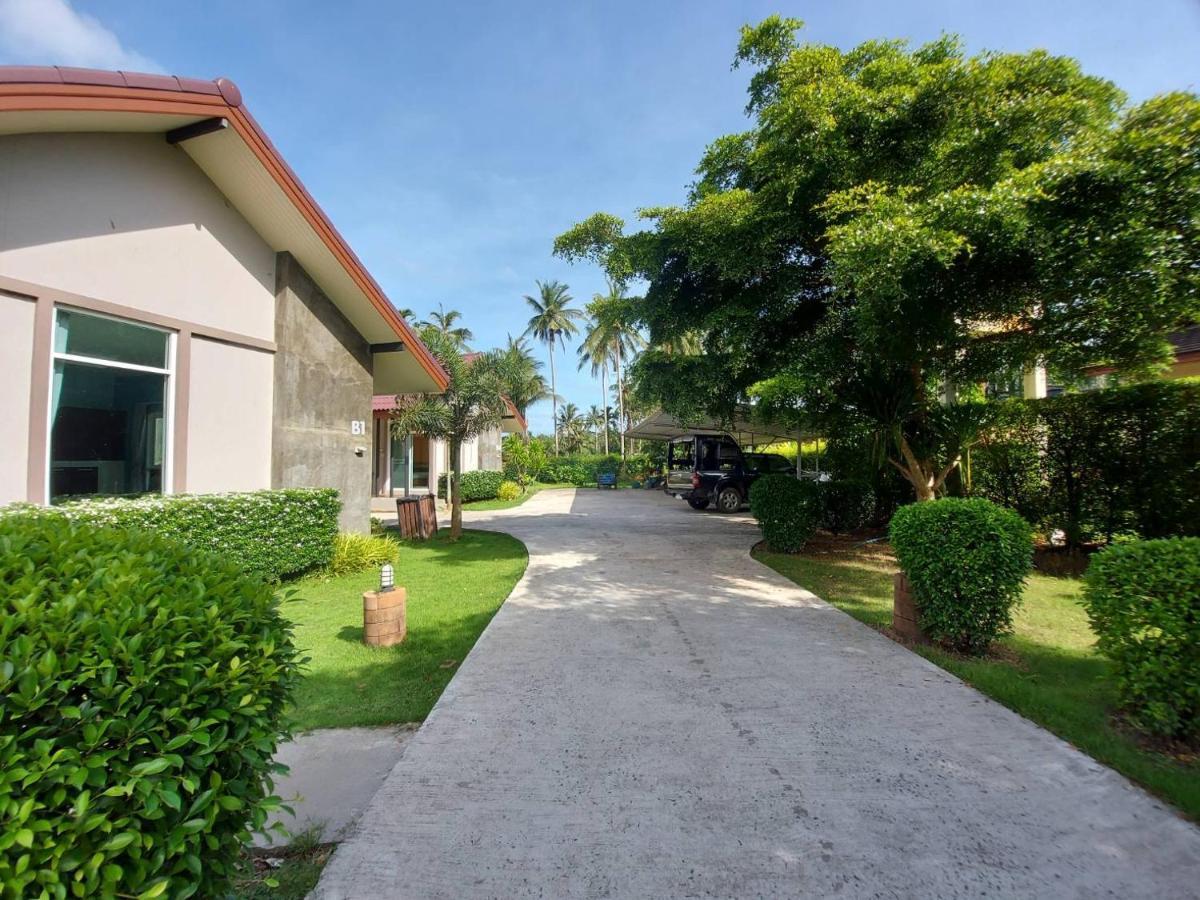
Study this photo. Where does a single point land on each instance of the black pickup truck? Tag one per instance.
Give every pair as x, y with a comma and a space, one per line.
706, 469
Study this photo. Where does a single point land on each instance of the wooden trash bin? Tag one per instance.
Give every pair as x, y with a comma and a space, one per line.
417, 517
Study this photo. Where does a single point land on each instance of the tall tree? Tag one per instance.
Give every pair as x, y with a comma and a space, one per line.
596, 351
523, 383
614, 325
897, 220
572, 428
553, 321
443, 321
597, 421
473, 403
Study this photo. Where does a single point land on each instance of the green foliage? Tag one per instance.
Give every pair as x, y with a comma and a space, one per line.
966, 561
358, 552
472, 486
523, 459
1098, 464
845, 505
579, 470
1143, 600
508, 490
898, 218
142, 693
271, 533
787, 509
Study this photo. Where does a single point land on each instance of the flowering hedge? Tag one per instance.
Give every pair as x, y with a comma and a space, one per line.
270, 533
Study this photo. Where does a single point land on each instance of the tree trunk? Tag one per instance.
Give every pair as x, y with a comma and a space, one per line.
455, 495
922, 474
604, 397
620, 400
553, 395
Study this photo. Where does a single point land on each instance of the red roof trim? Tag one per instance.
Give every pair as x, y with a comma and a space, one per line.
65, 88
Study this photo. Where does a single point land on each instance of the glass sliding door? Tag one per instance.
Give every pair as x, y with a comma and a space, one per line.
399, 463
110, 407
420, 461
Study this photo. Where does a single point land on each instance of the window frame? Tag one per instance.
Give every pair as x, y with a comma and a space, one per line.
168, 372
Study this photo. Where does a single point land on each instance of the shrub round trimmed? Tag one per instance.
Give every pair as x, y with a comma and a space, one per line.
966, 562
1143, 601
846, 505
787, 510
142, 695
508, 490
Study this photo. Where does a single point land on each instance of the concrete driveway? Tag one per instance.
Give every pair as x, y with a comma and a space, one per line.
655, 714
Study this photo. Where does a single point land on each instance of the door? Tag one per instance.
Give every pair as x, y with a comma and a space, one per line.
400, 463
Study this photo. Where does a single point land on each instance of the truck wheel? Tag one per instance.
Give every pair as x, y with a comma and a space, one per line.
729, 500
698, 504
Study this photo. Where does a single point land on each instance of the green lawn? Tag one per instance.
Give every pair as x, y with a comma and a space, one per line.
509, 504
454, 589
1048, 670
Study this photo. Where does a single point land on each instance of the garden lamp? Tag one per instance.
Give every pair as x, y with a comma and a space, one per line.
387, 578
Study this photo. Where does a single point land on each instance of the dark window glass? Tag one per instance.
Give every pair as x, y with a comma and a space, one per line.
108, 430
82, 335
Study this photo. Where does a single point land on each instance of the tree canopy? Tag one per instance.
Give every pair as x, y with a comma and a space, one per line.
898, 220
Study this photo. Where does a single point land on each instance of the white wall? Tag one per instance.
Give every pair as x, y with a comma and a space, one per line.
229, 418
16, 357
129, 219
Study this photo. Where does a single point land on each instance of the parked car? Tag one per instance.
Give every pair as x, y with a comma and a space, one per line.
706, 469
770, 464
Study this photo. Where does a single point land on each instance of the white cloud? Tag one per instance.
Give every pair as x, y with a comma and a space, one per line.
51, 32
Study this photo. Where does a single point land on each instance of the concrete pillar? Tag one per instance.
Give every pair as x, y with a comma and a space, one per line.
1033, 384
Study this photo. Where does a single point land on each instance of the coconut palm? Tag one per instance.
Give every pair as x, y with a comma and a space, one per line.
443, 320
613, 326
524, 384
553, 321
571, 428
597, 351
597, 421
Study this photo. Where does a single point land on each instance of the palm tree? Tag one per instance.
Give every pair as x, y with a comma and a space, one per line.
553, 320
612, 318
596, 351
597, 420
524, 384
571, 427
443, 320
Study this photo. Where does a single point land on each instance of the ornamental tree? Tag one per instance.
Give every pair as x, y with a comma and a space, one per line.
897, 222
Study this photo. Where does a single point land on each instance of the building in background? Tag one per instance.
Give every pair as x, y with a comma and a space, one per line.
177, 314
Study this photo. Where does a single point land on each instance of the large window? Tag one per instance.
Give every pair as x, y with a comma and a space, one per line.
110, 406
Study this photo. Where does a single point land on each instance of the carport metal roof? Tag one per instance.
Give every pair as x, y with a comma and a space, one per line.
744, 428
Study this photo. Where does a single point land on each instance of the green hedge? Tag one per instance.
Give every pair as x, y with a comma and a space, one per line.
142, 695
477, 485
1098, 464
846, 505
966, 562
787, 509
270, 533
1143, 600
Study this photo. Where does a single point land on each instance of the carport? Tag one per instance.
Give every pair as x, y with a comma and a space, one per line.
747, 428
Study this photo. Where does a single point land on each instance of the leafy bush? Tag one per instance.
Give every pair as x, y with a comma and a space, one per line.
1143, 600
270, 533
509, 490
359, 552
565, 470
142, 695
523, 459
966, 561
787, 511
845, 505
478, 485
1100, 463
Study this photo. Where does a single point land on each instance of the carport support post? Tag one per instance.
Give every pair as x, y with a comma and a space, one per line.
799, 453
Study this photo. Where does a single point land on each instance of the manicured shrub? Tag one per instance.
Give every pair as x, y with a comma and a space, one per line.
269, 533
845, 505
787, 509
142, 693
1143, 600
359, 552
1100, 463
472, 486
508, 490
966, 562
566, 470
523, 458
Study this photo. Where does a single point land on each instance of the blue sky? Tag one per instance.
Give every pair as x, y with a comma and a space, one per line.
451, 142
